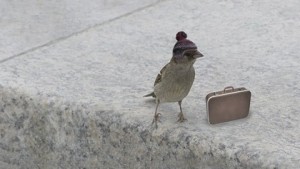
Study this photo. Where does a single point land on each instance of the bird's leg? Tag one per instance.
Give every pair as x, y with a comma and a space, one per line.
180, 115
156, 115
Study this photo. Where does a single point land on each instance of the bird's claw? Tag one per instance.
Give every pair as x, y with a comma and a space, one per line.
156, 118
181, 118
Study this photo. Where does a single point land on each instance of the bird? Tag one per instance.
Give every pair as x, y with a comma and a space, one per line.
176, 78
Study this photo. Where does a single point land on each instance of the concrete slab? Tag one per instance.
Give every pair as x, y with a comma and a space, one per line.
26, 25
78, 102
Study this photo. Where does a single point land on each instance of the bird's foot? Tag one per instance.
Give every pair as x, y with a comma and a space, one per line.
181, 118
156, 119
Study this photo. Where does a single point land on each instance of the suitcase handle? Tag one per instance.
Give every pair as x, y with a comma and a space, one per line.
228, 87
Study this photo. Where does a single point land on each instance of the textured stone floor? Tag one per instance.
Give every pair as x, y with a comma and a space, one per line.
72, 77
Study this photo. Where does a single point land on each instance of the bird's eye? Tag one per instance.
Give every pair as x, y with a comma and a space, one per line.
188, 54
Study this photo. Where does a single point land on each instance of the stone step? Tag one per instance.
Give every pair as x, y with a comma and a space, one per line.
77, 103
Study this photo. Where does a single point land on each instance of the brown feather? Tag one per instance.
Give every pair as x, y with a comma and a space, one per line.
159, 76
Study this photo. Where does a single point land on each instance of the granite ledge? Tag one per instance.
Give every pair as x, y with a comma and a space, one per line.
39, 133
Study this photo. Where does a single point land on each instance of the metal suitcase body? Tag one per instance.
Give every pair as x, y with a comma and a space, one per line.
228, 104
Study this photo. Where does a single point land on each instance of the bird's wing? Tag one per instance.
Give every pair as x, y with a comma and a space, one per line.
159, 76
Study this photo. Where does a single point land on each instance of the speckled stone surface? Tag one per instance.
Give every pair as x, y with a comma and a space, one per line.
78, 103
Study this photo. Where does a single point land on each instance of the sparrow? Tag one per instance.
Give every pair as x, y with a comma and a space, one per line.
176, 78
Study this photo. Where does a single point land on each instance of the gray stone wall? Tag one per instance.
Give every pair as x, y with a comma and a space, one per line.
36, 133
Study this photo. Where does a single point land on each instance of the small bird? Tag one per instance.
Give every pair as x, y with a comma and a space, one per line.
175, 79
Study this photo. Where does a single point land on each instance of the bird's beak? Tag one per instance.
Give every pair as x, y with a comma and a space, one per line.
197, 54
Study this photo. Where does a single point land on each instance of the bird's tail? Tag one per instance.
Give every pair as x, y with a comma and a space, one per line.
150, 94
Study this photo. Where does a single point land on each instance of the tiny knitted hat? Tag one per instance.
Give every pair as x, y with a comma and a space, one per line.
182, 44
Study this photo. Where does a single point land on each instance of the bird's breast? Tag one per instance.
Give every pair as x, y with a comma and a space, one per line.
175, 85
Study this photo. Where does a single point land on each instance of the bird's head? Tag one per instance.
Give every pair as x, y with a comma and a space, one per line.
185, 51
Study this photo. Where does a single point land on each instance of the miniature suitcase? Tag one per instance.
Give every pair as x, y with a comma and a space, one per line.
228, 104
